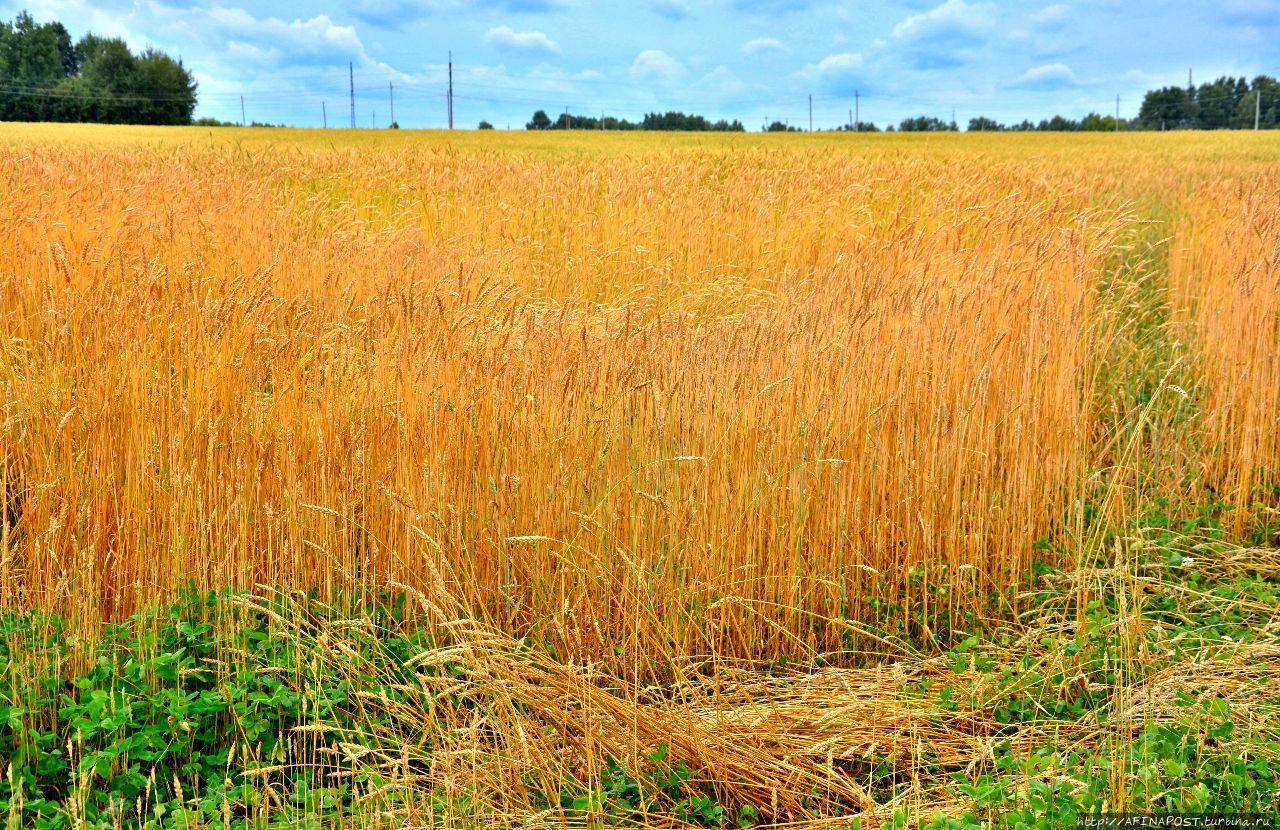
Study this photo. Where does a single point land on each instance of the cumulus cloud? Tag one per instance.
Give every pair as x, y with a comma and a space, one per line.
1051, 17
838, 73
839, 64
946, 35
762, 44
954, 18
1047, 76
655, 64
504, 37
259, 42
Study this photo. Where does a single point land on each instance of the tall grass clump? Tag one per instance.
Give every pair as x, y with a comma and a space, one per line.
1227, 269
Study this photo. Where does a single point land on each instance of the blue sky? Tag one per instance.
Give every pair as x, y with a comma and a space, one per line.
746, 59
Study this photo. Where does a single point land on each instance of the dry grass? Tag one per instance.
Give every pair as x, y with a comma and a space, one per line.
1227, 270
685, 402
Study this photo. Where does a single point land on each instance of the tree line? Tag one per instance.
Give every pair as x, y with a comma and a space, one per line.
45, 76
1224, 104
671, 121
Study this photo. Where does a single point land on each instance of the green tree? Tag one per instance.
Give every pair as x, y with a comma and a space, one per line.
165, 90
47, 78
1165, 108
924, 124
982, 124
1095, 123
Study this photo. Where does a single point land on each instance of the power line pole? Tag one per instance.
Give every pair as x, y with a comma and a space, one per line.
857, 111
451, 90
391, 94
1257, 107
352, 76
242, 119
810, 113
324, 113
850, 120
1117, 113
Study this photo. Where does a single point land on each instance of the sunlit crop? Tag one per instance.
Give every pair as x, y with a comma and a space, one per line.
664, 413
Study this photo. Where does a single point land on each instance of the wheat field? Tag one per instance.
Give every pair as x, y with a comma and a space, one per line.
663, 410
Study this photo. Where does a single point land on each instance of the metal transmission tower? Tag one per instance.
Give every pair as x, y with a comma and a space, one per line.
352, 75
451, 90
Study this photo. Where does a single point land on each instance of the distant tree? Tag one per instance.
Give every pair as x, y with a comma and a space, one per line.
1165, 108
1058, 124
780, 127
1219, 102
485, 125
923, 124
652, 121
982, 124
1095, 123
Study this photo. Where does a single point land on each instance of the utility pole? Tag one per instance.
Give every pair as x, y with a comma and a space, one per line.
391, 94
324, 113
451, 90
857, 111
242, 120
373, 119
811, 112
1117, 113
1257, 106
352, 76
850, 120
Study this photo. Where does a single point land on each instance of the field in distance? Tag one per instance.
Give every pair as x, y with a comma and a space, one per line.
473, 479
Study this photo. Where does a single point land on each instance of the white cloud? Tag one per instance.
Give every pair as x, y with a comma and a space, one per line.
839, 64
952, 18
655, 64
1047, 76
762, 44
946, 36
1051, 16
507, 38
